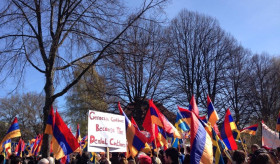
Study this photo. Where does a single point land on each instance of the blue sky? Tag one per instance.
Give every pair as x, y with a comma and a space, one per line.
254, 23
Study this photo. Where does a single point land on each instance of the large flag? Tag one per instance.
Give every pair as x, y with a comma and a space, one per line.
251, 129
180, 124
193, 107
201, 143
278, 123
135, 139
212, 114
216, 148
154, 116
270, 138
13, 132
226, 132
186, 114
64, 142
50, 122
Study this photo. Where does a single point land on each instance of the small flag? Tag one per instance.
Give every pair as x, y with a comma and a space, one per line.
250, 130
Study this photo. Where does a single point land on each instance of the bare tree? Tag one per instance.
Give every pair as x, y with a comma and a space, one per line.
264, 86
27, 108
136, 73
200, 50
52, 36
236, 86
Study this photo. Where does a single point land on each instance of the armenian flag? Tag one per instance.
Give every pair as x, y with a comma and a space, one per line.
203, 118
134, 122
226, 132
135, 139
78, 134
193, 107
64, 142
162, 138
13, 132
50, 122
212, 114
251, 129
20, 148
154, 116
201, 143
278, 123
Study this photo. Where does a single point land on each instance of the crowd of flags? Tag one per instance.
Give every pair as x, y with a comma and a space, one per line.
207, 142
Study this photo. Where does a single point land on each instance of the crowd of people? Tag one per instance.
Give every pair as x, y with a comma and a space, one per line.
257, 155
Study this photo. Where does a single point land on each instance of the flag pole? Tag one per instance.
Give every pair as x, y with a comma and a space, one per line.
107, 152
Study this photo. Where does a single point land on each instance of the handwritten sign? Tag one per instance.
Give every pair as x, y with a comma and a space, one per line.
106, 130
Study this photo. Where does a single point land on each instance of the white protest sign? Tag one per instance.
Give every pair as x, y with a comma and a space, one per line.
106, 130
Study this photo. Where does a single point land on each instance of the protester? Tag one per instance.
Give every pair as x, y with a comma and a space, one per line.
131, 160
123, 160
239, 157
103, 159
181, 155
171, 156
2, 158
115, 158
44, 161
187, 159
263, 158
155, 159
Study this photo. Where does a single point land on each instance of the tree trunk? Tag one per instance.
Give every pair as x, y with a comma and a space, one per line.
49, 91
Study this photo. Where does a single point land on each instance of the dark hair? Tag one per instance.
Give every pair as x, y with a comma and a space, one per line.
263, 158
15, 160
239, 156
1, 158
278, 149
187, 159
188, 148
255, 146
173, 154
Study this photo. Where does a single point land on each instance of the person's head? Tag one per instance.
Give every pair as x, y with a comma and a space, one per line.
263, 158
51, 160
102, 155
182, 150
131, 161
255, 147
278, 152
44, 161
16, 160
171, 156
85, 155
188, 149
273, 156
147, 150
123, 160
144, 159
1, 159
239, 156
